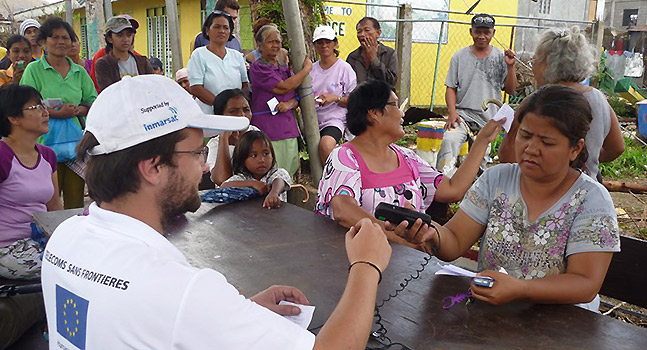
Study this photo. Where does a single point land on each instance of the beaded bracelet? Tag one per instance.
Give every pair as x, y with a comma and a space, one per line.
370, 264
436, 248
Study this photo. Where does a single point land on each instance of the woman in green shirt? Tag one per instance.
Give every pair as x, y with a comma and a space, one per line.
56, 77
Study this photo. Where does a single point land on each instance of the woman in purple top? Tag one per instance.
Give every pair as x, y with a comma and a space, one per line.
28, 182
370, 169
273, 81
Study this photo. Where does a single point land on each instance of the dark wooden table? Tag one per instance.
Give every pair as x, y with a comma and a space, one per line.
255, 248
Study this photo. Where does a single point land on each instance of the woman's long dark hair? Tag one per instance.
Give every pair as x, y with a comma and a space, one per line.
244, 147
568, 111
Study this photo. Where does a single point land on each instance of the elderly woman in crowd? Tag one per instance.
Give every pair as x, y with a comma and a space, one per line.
370, 169
549, 225
215, 67
28, 185
274, 85
57, 78
565, 57
256, 53
19, 54
332, 81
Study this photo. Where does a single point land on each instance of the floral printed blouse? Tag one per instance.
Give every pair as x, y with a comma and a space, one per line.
583, 220
346, 173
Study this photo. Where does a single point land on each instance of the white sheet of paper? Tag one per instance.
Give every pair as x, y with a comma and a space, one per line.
272, 103
505, 112
304, 318
453, 270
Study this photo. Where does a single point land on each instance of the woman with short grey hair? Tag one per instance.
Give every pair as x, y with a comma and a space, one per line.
564, 56
274, 97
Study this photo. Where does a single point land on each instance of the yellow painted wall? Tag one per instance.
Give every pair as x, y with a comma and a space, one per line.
77, 22
423, 55
190, 21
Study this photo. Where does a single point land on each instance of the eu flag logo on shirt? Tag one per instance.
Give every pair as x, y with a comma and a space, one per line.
71, 316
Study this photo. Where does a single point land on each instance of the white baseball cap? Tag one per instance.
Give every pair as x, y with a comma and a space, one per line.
323, 32
138, 109
28, 23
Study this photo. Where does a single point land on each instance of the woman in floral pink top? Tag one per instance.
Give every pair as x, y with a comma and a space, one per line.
550, 226
370, 169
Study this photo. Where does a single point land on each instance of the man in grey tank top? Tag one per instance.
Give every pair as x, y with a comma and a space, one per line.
476, 73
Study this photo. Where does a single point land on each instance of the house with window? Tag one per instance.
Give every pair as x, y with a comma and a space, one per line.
549, 13
622, 14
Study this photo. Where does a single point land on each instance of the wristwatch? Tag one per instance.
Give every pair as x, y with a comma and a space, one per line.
338, 99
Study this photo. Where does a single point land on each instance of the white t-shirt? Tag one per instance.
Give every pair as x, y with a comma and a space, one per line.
216, 74
128, 67
112, 282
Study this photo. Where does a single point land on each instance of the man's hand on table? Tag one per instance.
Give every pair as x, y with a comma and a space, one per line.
272, 296
367, 242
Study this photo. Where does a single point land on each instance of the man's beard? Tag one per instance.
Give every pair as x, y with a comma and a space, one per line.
177, 198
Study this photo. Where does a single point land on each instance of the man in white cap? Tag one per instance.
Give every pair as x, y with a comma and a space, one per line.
30, 29
111, 280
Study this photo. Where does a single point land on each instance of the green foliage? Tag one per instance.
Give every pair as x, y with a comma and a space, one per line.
410, 136
602, 78
620, 107
632, 163
494, 147
642, 233
273, 10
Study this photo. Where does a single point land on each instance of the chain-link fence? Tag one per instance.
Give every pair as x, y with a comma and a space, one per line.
437, 34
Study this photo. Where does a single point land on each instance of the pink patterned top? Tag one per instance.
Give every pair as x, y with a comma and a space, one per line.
346, 173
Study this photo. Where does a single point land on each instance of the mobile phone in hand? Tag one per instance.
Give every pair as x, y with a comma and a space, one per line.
483, 281
395, 215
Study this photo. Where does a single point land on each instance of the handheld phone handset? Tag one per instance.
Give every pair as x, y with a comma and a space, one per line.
395, 214
483, 281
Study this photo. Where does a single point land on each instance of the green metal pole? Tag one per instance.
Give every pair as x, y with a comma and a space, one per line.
433, 89
96, 24
209, 6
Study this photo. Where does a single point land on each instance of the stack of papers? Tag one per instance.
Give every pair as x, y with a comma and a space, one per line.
452, 270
